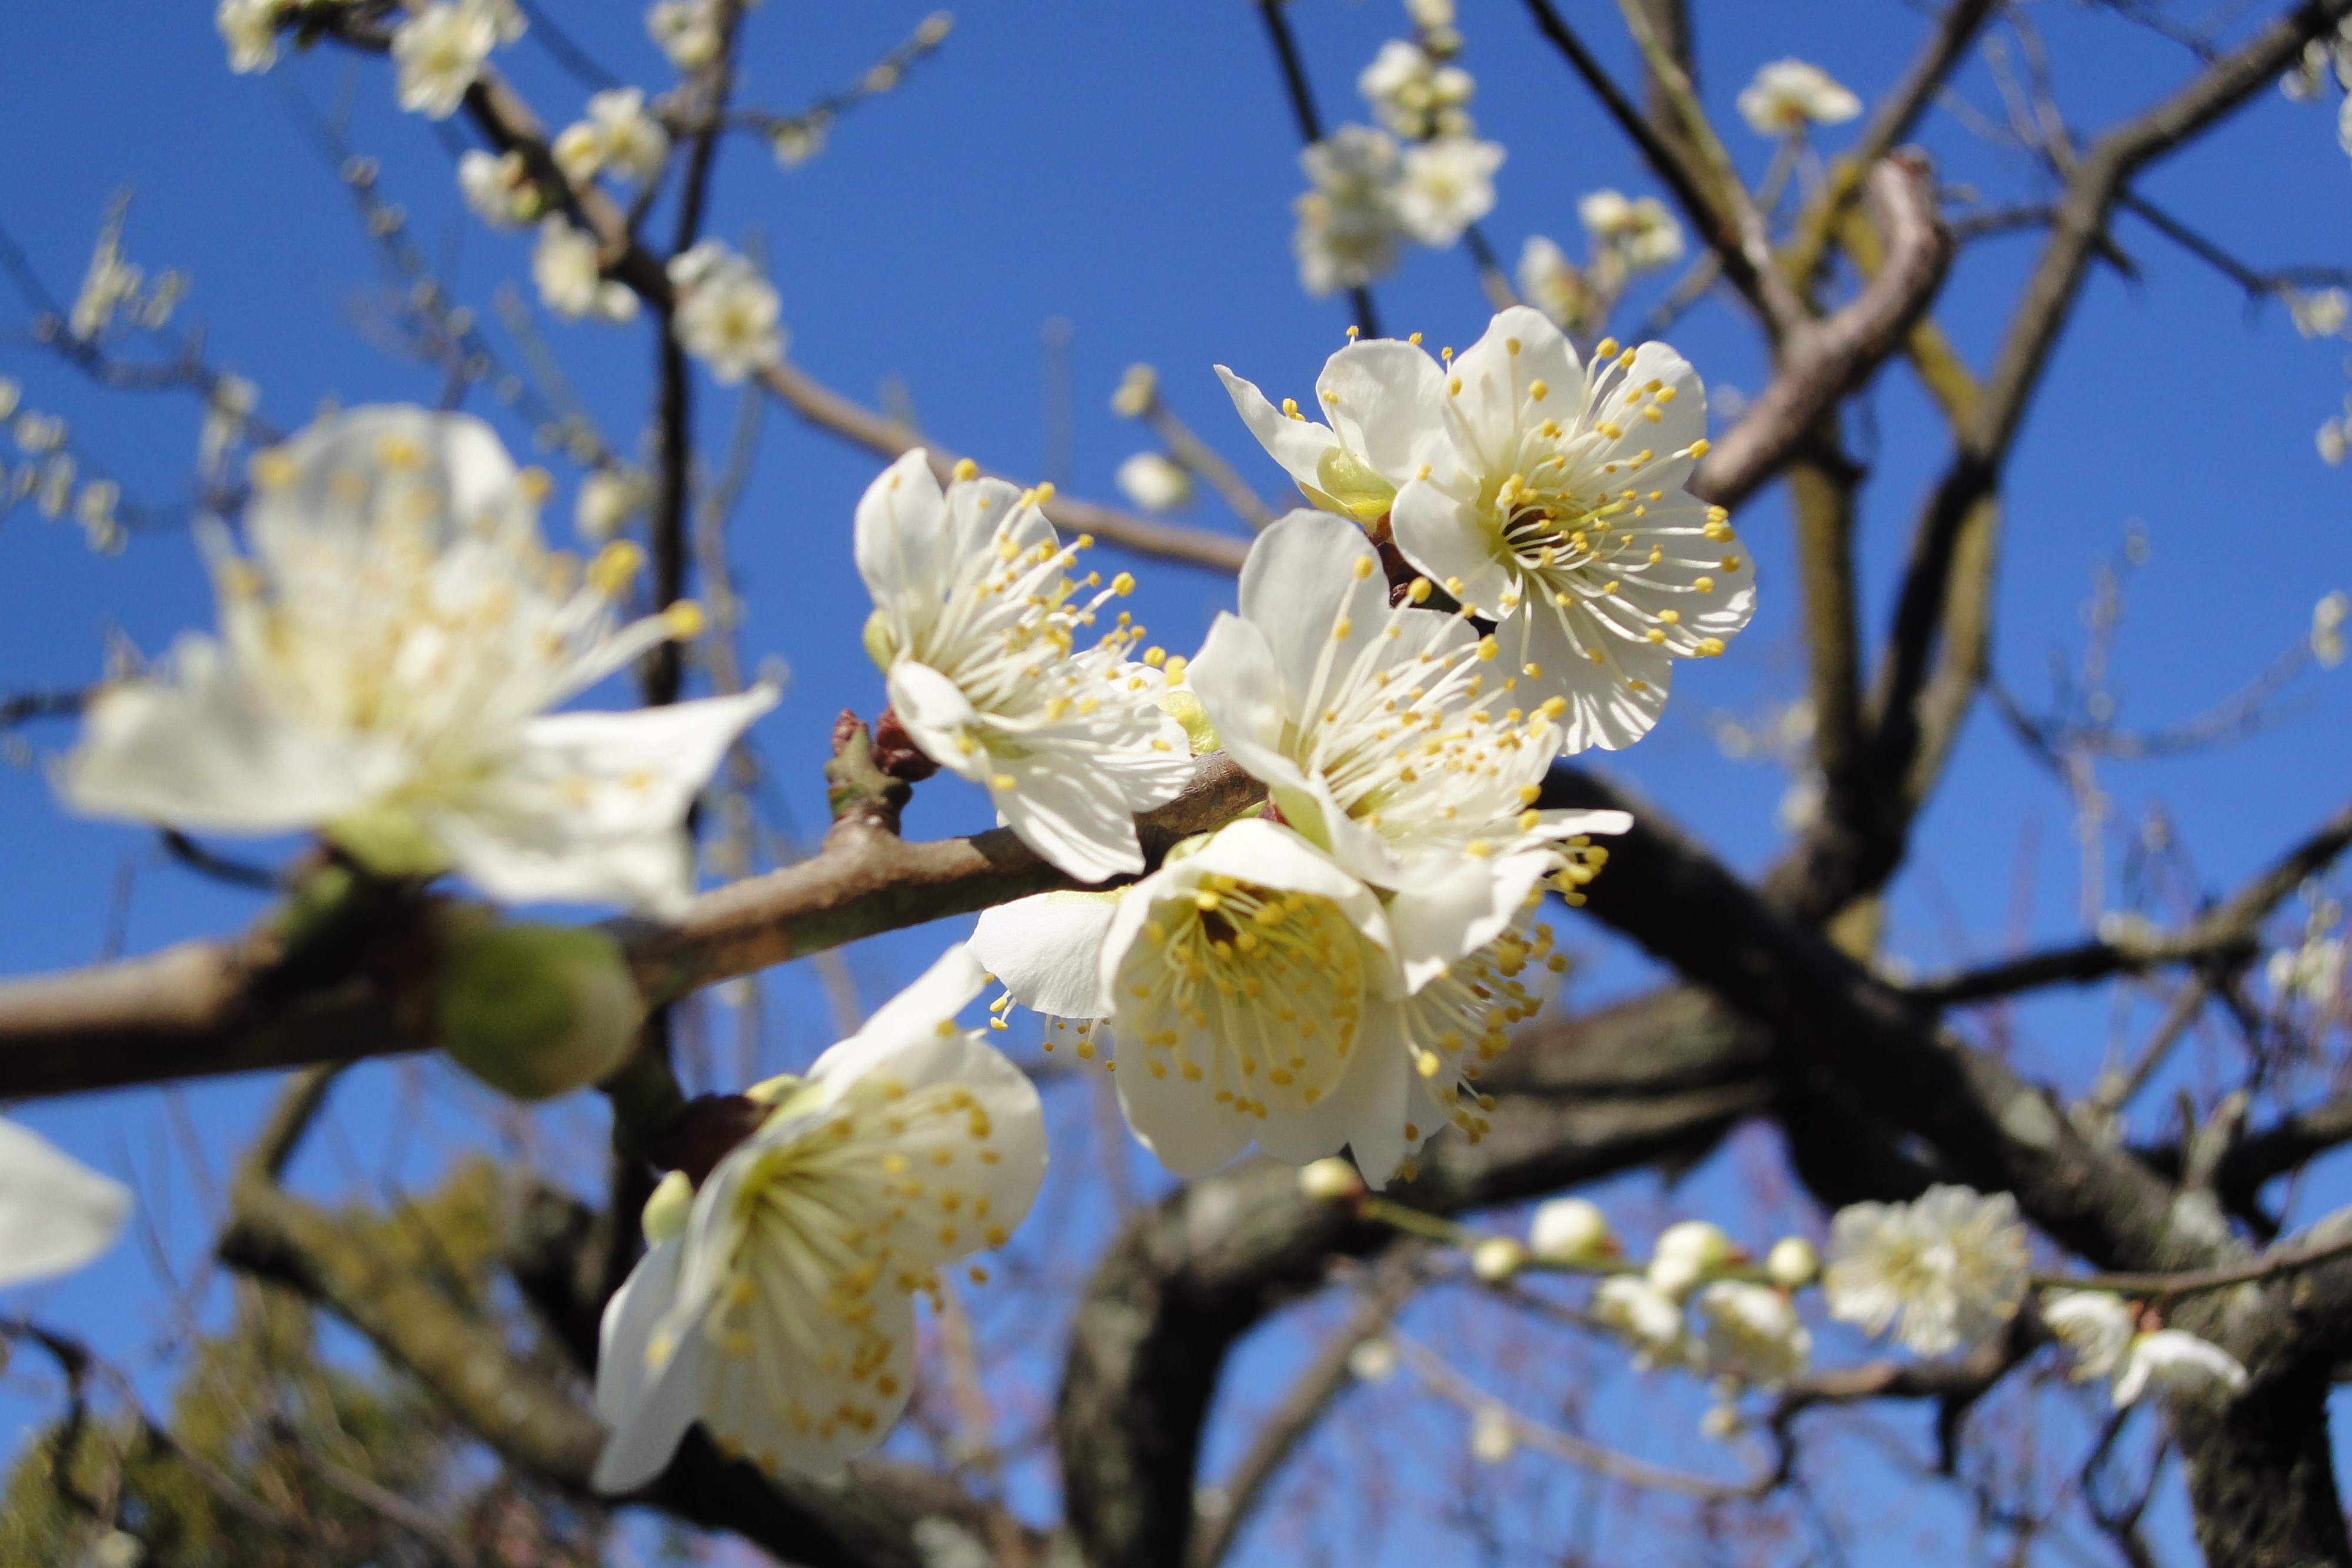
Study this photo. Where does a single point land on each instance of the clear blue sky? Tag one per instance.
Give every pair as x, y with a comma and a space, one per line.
1128, 168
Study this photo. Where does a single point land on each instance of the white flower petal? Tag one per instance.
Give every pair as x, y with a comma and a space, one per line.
1444, 537
900, 540
1297, 444
1047, 951
1385, 399
1446, 908
1240, 688
938, 717
56, 1213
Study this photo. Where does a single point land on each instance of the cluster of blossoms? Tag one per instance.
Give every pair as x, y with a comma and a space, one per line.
687, 31
2313, 971
1625, 237
2326, 59
1369, 193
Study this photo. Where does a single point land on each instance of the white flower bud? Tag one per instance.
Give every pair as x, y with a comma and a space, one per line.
1330, 1180
1569, 1231
1493, 1435
1792, 1264
1687, 1255
1373, 1361
532, 1010
1496, 1258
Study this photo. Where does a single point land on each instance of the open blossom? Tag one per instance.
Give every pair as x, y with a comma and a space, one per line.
1414, 96
56, 1213
1945, 1271
686, 31
1750, 1333
618, 134
976, 622
1377, 733
2096, 1326
1788, 95
776, 1308
1644, 1317
1448, 184
728, 315
568, 267
386, 660
1553, 503
2178, 1364
1639, 232
498, 187
1155, 482
249, 28
2327, 618
1348, 224
1557, 286
439, 51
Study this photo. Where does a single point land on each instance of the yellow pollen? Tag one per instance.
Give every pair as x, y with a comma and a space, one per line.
1605, 349
1419, 592
1487, 647
1539, 391
614, 564
685, 619
965, 468
1363, 567
1002, 782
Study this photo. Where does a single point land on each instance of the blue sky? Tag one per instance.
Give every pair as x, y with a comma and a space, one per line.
1128, 169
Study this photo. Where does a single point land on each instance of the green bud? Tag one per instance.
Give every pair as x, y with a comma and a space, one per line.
666, 1210
389, 841
881, 644
530, 1009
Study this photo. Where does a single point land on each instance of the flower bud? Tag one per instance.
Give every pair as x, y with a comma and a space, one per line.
1496, 1258
534, 1010
1373, 1361
1330, 1180
1569, 1231
666, 1211
1493, 1435
1792, 1264
1688, 1254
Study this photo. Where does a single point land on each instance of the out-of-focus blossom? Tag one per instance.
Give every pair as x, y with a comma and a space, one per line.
1786, 96
1155, 482
439, 51
568, 267
1640, 230
1448, 184
498, 187
249, 28
1348, 223
728, 315
1414, 96
1945, 1271
1557, 286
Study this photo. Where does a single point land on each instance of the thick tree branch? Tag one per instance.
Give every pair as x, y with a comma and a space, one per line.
211, 1007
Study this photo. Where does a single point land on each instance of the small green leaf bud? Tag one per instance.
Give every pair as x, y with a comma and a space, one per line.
534, 1010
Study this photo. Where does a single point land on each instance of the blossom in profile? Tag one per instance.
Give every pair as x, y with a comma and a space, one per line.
1639, 231
438, 52
619, 135
976, 623
1945, 1273
1414, 96
1383, 400
1448, 184
498, 187
1558, 286
774, 1304
249, 28
567, 267
1348, 223
56, 1213
686, 30
2096, 1326
1646, 1318
2178, 1364
728, 315
1155, 482
387, 660
1750, 1333
1787, 96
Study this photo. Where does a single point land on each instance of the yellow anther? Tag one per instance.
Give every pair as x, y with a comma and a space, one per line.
1340, 628
1529, 820
1123, 584
1533, 672
1155, 656
614, 564
1415, 339
536, 484
1002, 782
1045, 494
1290, 407
1708, 647
1538, 390
1454, 385
965, 468
1671, 617
1488, 647
1419, 592
1528, 794
685, 619
1700, 448
1704, 585
1605, 349
1207, 899
1363, 567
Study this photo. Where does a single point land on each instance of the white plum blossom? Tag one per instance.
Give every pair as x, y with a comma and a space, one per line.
1945, 1272
1569, 1231
1750, 1333
1645, 1318
2313, 972
1639, 232
1242, 982
728, 315
1414, 96
249, 28
568, 267
1494, 1434
2096, 1327
610, 499
2178, 1364
1786, 96
1555, 286
686, 31
618, 134
498, 187
976, 622
2327, 618
56, 1213
387, 659
1556, 507
439, 51
777, 1307
1348, 224
1448, 184
2318, 315
1155, 482
1792, 1264
1688, 1254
